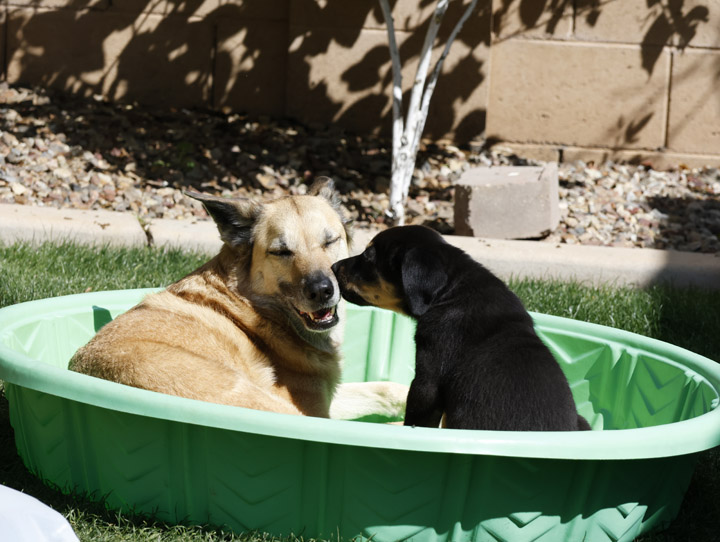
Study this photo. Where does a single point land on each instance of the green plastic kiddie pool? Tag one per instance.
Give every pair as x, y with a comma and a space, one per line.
652, 406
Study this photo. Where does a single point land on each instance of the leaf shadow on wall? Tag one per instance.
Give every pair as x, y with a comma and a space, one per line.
367, 105
668, 22
659, 24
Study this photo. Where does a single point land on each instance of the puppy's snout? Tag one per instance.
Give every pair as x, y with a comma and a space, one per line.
319, 289
338, 269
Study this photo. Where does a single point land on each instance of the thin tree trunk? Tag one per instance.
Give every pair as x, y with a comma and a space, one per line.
406, 136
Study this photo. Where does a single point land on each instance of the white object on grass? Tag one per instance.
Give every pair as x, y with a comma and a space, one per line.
25, 519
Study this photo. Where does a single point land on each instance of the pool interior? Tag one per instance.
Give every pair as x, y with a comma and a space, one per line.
615, 386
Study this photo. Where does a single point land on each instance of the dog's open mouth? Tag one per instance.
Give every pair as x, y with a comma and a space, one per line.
319, 320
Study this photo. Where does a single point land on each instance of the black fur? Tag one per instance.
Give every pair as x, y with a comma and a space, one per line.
479, 360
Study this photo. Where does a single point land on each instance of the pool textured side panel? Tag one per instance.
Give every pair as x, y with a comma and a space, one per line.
622, 387
253, 482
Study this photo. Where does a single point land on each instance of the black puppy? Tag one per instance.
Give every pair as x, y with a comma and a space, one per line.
478, 359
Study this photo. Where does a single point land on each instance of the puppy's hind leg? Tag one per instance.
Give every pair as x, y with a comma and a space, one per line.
357, 400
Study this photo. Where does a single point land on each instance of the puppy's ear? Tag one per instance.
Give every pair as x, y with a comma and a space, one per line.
423, 278
234, 218
324, 187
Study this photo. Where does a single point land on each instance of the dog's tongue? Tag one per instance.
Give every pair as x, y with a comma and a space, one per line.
320, 316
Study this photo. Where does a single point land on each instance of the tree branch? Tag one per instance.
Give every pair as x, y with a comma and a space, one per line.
397, 79
424, 66
406, 139
405, 163
432, 81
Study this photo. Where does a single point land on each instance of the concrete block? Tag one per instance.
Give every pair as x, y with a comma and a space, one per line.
694, 125
356, 14
694, 23
267, 9
532, 19
33, 55
507, 202
701, 26
547, 92
275, 10
55, 4
622, 22
250, 64
194, 235
342, 84
198, 8
40, 224
162, 60
153, 59
408, 15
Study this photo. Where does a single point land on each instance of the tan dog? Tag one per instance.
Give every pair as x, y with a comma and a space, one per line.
256, 326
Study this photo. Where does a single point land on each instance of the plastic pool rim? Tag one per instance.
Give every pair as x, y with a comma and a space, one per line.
688, 436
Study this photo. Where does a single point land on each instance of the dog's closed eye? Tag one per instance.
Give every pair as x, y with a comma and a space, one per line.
331, 242
281, 252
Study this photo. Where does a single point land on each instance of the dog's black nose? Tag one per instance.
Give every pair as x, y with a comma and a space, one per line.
319, 289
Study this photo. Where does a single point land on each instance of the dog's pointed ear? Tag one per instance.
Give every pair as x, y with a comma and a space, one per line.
234, 218
423, 278
324, 187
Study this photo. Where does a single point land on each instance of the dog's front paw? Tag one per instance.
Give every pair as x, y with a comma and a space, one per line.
392, 398
358, 400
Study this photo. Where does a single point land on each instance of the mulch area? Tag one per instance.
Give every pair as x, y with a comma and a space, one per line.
66, 151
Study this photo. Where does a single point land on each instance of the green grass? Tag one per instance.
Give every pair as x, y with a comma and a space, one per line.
686, 317
28, 272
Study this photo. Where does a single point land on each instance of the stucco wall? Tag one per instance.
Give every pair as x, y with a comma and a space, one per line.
555, 79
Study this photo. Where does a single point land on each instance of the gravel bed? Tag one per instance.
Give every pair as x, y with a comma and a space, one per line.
64, 151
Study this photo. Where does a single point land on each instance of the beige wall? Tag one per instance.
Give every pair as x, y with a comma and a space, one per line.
608, 78
564, 79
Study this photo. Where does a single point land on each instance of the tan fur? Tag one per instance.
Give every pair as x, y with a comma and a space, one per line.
379, 293
227, 333
382, 294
